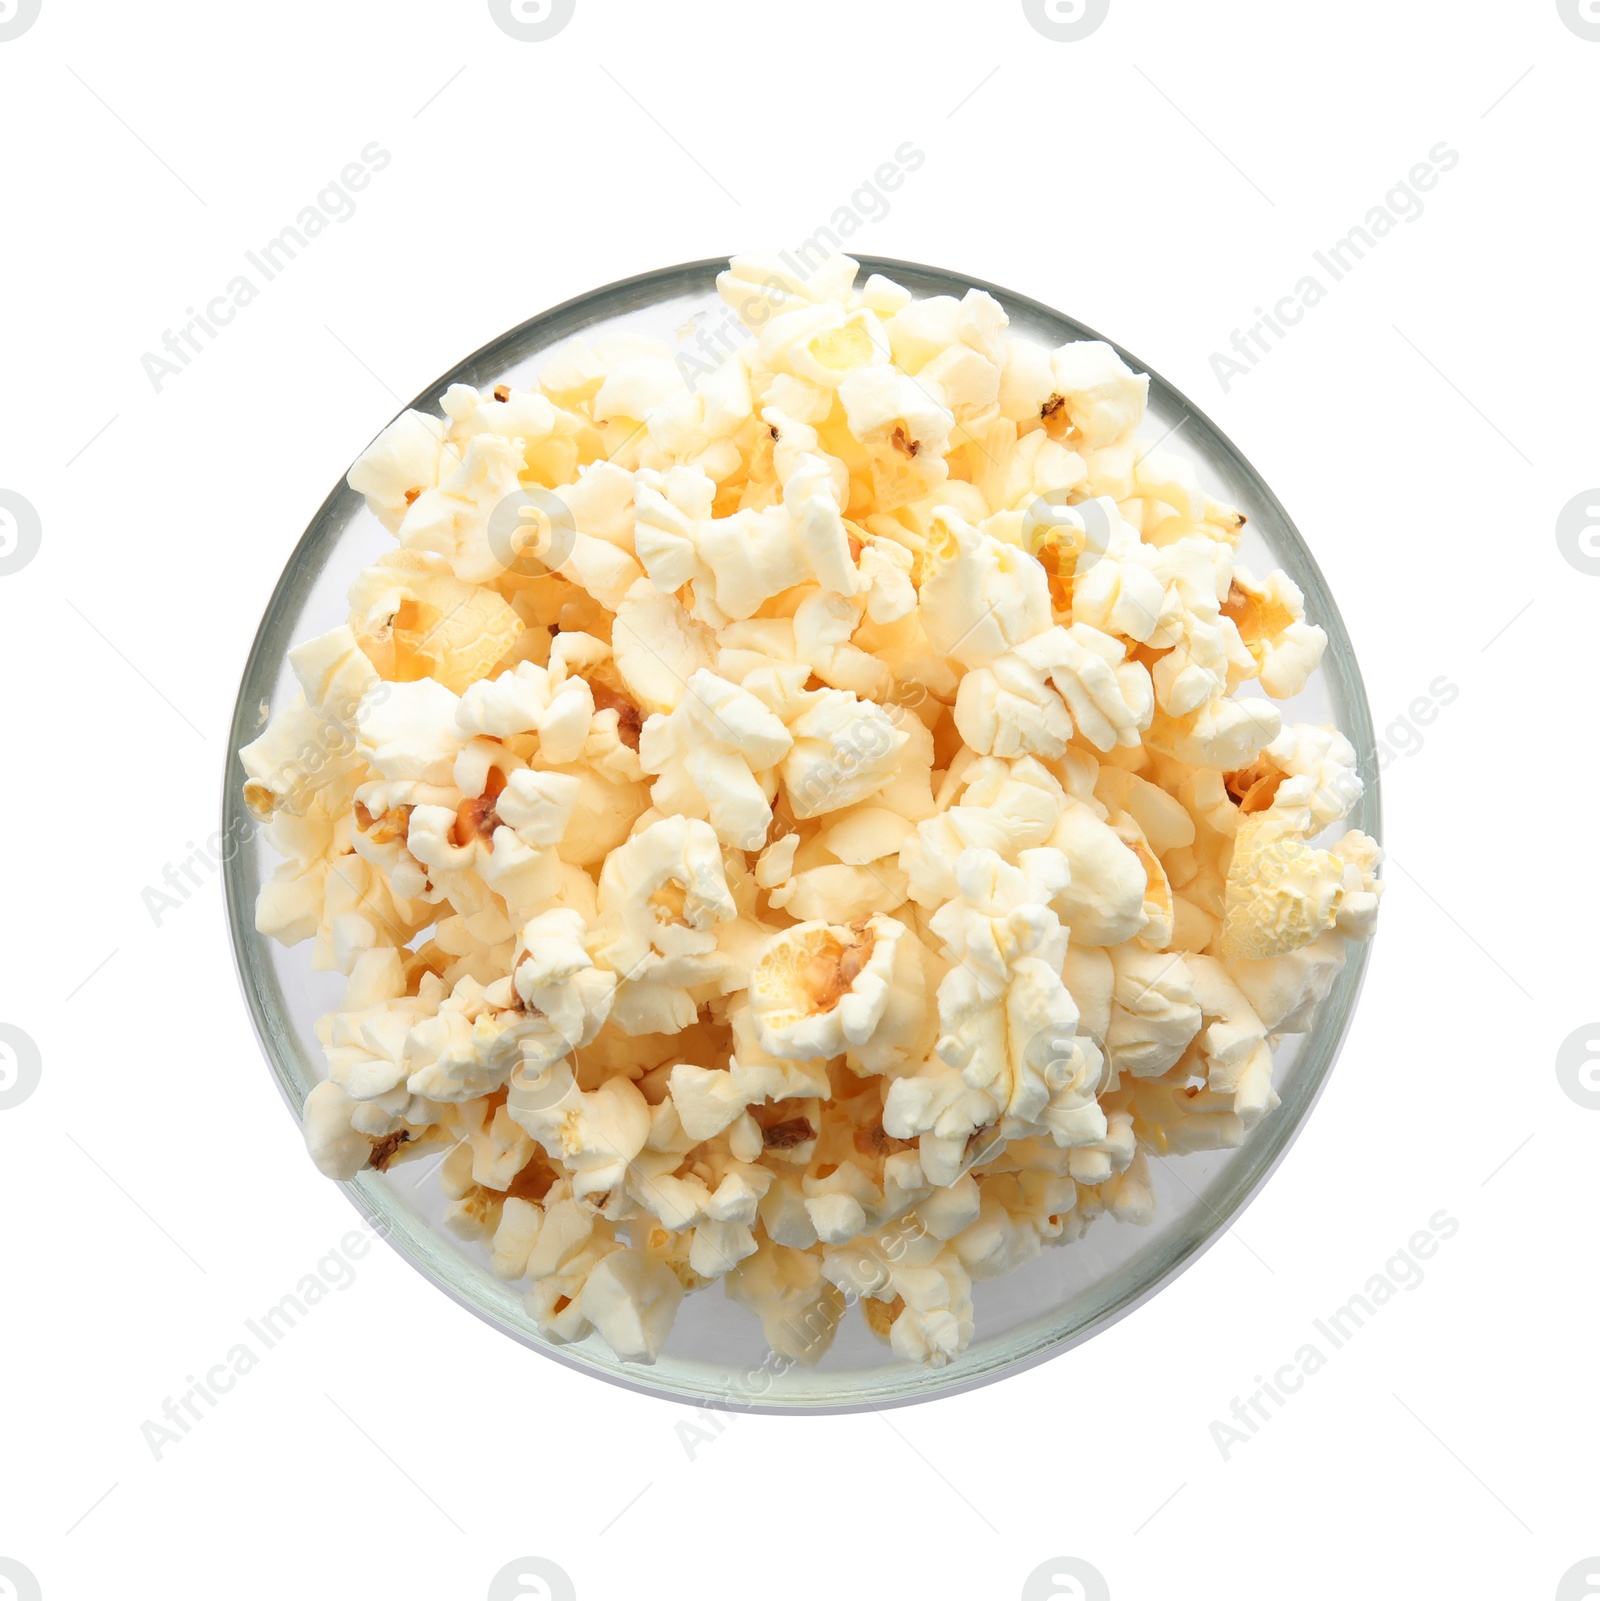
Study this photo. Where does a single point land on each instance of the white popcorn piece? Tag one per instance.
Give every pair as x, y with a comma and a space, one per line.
399, 465
904, 429
1103, 398
1026, 381
1306, 767
336, 1148
1006, 1018
763, 284
469, 1047
558, 981
845, 749
1223, 734
707, 754
980, 597
311, 742
923, 330
1155, 1011
632, 1301
821, 990
1117, 586
453, 519
823, 625
595, 1136
409, 731
823, 343
661, 896
798, 818
1284, 991
658, 647
1103, 901
1270, 618
1357, 916
538, 805
800, 1310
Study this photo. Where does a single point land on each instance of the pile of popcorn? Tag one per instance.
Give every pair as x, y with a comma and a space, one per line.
818, 846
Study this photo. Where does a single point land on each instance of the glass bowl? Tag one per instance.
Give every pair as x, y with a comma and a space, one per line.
716, 1354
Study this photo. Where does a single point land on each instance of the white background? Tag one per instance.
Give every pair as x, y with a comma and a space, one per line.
1425, 425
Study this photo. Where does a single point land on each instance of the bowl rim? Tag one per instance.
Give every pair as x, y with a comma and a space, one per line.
1271, 1140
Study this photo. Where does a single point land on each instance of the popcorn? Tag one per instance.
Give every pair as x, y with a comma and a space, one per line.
1155, 1011
1281, 893
800, 1310
824, 991
413, 619
980, 598
632, 1302
1270, 619
708, 752
658, 647
595, 1136
1222, 734
1102, 902
902, 427
1305, 766
399, 465
844, 749
452, 520
1103, 399
409, 731
661, 895
1003, 1005
336, 1148
834, 856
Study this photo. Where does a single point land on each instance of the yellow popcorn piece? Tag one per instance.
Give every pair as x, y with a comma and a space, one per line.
1281, 893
